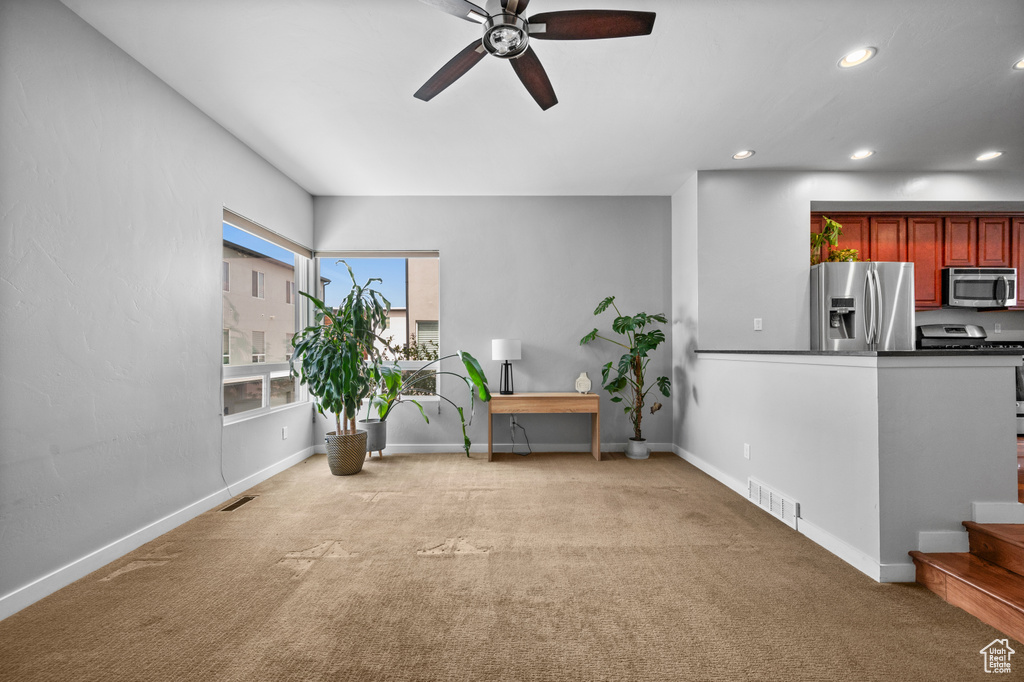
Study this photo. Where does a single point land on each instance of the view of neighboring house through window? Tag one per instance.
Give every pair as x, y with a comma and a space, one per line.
411, 283
257, 328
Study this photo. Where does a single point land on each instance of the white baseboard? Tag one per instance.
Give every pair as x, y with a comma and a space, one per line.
734, 484
942, 541
263, 474
476, 448
885, 573
28, 594
997, 512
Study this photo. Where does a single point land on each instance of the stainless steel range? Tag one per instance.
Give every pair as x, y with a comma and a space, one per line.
971, 337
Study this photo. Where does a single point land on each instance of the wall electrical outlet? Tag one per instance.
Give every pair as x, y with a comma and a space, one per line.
999, 328
757, 324
284, 433
746, 451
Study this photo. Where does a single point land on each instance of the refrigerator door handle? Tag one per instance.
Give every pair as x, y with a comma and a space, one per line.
869, 300
878, 310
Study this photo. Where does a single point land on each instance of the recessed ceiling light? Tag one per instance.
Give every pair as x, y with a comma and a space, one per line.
861, 154
988, 156
745, 154
1019, 66
857, 57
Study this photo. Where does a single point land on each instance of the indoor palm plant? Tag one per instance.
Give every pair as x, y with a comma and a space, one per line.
627, 380
336, 357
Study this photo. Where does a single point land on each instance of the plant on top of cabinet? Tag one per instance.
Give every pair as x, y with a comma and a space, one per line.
829, 235
628, 377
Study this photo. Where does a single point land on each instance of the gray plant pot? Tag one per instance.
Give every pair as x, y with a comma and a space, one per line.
376, 434
637, 449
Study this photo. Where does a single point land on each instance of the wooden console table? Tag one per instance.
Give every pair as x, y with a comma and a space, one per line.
547, 403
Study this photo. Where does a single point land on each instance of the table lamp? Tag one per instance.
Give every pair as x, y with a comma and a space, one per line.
506, 350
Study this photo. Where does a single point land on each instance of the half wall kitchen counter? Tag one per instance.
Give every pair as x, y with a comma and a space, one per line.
885, 452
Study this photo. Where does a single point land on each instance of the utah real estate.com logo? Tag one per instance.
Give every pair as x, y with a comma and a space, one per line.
997, 656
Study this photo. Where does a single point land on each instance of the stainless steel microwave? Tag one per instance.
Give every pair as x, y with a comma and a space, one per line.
979, 287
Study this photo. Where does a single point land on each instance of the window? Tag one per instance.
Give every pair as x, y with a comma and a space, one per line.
259, 347
411, 283
257, 330
257, 284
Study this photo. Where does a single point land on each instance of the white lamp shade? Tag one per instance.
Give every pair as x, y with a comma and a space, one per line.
506, 349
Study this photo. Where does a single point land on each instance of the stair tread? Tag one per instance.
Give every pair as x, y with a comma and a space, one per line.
996, 581
1012, 533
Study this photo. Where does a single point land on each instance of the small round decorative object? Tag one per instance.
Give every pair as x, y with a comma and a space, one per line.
583, 383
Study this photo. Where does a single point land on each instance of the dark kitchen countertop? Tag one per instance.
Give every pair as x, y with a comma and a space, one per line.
875, 353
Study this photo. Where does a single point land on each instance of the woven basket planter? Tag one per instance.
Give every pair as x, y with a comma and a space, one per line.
345, 453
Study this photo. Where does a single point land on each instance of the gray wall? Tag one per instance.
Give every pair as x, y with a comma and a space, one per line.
532, 268
752, 261
753, 231
110, 307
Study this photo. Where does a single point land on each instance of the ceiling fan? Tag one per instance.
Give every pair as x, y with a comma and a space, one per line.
507, 35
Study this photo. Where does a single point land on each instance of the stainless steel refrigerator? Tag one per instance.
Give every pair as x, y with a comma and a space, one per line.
862, 306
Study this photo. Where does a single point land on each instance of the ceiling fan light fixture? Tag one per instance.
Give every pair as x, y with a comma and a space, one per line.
857, 57
744, 154
988, 156
862, 154
506, 36
1019, 66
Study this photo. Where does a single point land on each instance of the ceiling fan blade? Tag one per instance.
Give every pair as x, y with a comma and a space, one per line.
514, 6
590, 24
463, 9
455, 69
530, 71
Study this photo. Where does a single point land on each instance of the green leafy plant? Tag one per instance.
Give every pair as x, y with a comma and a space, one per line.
829, 234
842, 255
626, 381
393, 387
336, 355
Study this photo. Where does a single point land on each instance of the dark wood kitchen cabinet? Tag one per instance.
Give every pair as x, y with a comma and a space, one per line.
961, 242
925, 250
932, 242
994, 242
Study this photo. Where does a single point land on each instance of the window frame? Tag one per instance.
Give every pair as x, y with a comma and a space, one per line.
304, 270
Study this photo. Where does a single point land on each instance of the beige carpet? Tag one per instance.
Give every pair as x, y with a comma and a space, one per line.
438, 567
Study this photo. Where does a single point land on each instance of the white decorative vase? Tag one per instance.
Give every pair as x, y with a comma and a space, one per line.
637, 449
583, 383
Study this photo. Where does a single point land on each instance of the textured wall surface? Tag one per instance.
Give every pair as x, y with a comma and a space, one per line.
110, 306
529, 268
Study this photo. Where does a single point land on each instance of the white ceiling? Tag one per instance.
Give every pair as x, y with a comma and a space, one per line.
323, 90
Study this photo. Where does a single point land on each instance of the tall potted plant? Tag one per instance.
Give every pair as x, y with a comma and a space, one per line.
627, 380
336, 357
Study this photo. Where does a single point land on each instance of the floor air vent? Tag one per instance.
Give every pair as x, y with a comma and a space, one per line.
772, 502
239, 502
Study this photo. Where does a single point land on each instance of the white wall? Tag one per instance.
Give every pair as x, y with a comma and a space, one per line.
751, 228
753, 231
532, 268
113, 188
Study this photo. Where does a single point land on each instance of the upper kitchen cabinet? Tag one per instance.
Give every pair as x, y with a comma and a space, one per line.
1017, 250
888, 238
961, 243
994, 243
924, 250
931, 242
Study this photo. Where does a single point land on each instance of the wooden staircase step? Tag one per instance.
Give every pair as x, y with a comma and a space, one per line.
998, 543
988, 592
